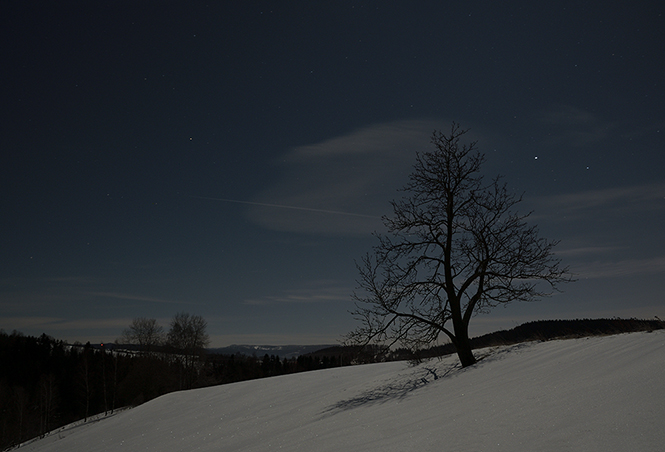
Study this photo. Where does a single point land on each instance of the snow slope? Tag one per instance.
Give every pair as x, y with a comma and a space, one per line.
589, 394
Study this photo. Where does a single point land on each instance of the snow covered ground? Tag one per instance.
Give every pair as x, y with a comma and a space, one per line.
589, 394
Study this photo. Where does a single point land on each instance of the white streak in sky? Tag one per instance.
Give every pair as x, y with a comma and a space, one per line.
334, 212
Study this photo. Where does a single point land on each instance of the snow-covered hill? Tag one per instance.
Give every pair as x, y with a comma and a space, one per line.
589, 394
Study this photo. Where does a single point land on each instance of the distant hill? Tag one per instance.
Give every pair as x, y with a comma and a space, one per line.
283, 351
530, 331
544, 330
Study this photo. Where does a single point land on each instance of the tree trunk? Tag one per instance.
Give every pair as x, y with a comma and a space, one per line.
463, 344
465, 353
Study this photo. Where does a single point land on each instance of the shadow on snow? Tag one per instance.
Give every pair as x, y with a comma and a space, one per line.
421, 375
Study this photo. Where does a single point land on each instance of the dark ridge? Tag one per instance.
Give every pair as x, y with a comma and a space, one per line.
544, 330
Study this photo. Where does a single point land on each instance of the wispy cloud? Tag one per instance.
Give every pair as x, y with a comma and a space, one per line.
651, 195
280, 206
586, 251
567, 115
621, 268
62, 324
55, 294
619, 200
38, 293
342, 185
573, 126
318, 291
127, 296
95, 330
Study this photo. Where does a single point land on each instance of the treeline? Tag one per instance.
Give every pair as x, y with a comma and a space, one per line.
540, 330
545, 330
46, 383
223, 369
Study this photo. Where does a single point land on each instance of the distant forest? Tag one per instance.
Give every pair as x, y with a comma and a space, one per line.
545, 330
46, 383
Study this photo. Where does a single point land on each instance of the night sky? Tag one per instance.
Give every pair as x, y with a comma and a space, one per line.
231, 159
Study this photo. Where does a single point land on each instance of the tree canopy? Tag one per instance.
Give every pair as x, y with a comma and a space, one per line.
456, 246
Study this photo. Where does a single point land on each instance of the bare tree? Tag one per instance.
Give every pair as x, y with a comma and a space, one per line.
84, 370
146, 333
455, 247
48, 402
188, 337
21, 408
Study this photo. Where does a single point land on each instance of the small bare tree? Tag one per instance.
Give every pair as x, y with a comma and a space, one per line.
146, 333
455, 247
188, 338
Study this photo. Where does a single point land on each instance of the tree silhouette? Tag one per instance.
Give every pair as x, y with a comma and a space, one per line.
146, 333
455, 247
188, 338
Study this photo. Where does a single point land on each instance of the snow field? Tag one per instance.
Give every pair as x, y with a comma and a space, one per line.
588, 394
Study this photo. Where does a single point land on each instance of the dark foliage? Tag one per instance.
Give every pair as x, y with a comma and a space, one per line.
46, 383
541, 330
